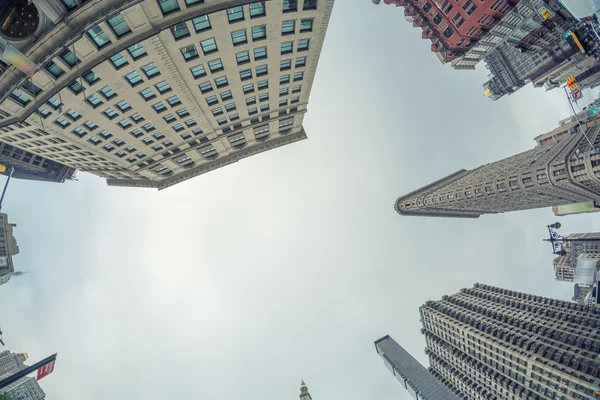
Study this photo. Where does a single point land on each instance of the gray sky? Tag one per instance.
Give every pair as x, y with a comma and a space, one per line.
289, 264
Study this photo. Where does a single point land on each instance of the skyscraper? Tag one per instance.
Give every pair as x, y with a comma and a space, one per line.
304, 395
8, 245
151, 93
413, 376
11, 362
487, 343
564, 172
25, 388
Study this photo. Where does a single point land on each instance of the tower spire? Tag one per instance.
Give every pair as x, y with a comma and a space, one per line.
304, 395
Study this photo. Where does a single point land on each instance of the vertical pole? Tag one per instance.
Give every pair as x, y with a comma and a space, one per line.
12, 169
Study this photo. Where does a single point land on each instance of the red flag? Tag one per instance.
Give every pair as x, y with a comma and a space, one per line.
45, 370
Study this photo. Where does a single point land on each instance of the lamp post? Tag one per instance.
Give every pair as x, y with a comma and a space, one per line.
557, 240
12, 169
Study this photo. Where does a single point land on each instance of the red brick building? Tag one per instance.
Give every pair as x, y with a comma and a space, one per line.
454, 26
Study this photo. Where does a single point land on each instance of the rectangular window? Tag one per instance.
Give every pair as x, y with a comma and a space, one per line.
242, 57
136, 133
234, 117
118, 142
118, 60
259, 33
300, 62
290, 5
147, 94
198, 71
108, 147
94, 140
250, 100
147, 141
183, 112
107, 92
180, 31
189, 52
120, 154
137, 117
163, 87
260, 53
295, 100
215, 65
94, 101
98, 37
264, 107
186, 136
190, 122
75, 87
246, 74
79, 132
288, 27
257, 9
263, 97
193, 2
69, 58
221, 81
201, 23
158, 136
306, 25
54, 69
284, 92
124, 123
62, 122
296, 88
222, 121
70, 4
43, 111
136, 51
287, 47
110, 113
178, 127
526, 180
285, 65
134, 78
205, 87
168, 6
248, 88
541, 177
90, 125
150, 70
226, 95
212, 100
123, 106
130, 149
159, 107
283, 79
118, 26
303, 44
239, 37
209, 46
148, 127
310, 5
217, 111
252, 111
513, 183
286, 122
262, 84
230, 107
298, 76
173, 101
283, 103
235, 14
500, 186
90, 77
262, 70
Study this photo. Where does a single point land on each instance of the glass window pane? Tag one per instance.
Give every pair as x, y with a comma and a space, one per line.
180, 31
69, 58
235, 14
215, 65
54, 69
260, 53
189, 52
310, 5
151, 70
168, 6
118, 60
90, 77
136, 51
242, 57
118, 25
288, 27
259, 32
306, 25
198, 71
163, 87
303, 44
226, 95
209, 46
290, 5
239, 37
287, 47
201, 23
257, 9
97, 35
134, 78
76, 87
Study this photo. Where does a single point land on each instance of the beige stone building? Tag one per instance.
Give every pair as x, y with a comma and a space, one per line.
150, 93
487, 343
565, 172
8, 245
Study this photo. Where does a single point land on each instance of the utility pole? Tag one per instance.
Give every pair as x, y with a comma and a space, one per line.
557, 240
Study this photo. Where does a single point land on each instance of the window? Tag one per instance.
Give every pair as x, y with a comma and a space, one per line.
264, 107
246, 74
201, 23
282, 103
298, 76
136, 51
448, 32
288, 27
190, 122
437, 19
150, 70
107, 92
205, 87
110, 113
234, 117
79, 132
137, 117
287, 47
310, 5
303, 44
94, 101
183, 112
130, 149
121, 154
69, 58
97, 35
70, 4
186, 136
295, 100
118, 60
239, 37
306, 25
198, 71
217, 111
230, 107
290, 5
62, 122
209, 46
221, 81
263, 97
158, 136
296, 88
222, 121
173, 101
284, 92
261, 131
168, 6
235, 14
260, 53
94, 140
54, 69
159, 107
124, 123
526, 180
136, 133
286, 122
300, 62
226, 95
212, 100
192, 2
285, 65
118, 25
283, 79
500, 186
123, 106
215, 65
257, 9
262, 84
252, 111
562, 171
259, 33
54, 102
178, 127
43, 111
242, 57
148, 141
133, 78
180, 31
250, 100
75, 87
108, 147
118, 142
189, 52
148, 127
147, 94
90, 125
541, 177
262, 70
248, 88
197, 131
163, 87
90, 77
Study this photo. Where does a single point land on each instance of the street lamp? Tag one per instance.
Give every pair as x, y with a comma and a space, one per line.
555, 239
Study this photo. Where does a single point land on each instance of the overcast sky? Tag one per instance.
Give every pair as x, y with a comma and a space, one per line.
287, 265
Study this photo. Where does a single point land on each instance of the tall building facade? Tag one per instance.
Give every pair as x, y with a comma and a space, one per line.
25, 388
151, 93
8, 245
11, 362
487, 343
413, 376
31, 167
564, 172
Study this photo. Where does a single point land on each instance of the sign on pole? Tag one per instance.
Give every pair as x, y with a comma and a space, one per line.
45, 370
577, 94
